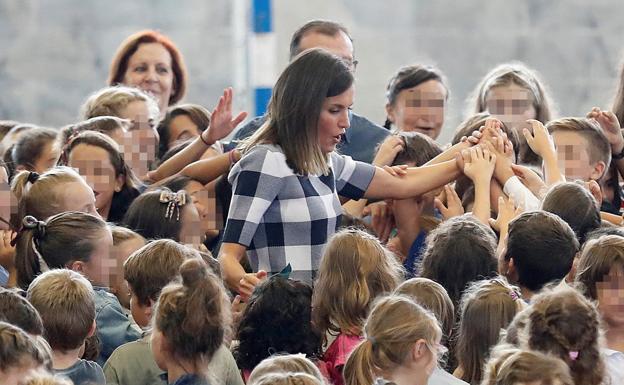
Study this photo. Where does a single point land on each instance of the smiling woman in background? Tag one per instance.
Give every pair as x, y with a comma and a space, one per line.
150, 61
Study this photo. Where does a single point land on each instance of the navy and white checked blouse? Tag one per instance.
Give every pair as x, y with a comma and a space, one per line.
286, 218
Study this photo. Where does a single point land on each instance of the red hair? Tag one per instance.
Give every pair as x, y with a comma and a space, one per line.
128, 47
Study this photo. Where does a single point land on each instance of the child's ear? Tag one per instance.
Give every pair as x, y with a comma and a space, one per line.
92, 330
572, 273
149, 308
598, 170
419, 350
77, 266
511, 273
390, 113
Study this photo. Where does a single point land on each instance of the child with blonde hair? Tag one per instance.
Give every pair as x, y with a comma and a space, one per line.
287, 379
355, 269
79, 242
565, 324
401, 345
64, 299
285, 363
487, 307
511, 366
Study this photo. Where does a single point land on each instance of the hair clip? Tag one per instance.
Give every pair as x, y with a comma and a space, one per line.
174, 202
32, 223
514, 295
573, 354
284, 273
33, 177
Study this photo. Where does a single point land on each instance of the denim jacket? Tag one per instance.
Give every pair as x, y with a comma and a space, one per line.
113, 326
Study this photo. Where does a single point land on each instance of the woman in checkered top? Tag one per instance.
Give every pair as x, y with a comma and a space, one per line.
285, 204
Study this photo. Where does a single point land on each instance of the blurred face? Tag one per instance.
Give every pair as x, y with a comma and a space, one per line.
140, 142
340, 45
611, 297
204, 203
182, 128
47, 159
78, 196
120, 253
334, 119
512, 104
8, 201
191, 232
420, 109
149, 69
573, 157
99, 268
93, 163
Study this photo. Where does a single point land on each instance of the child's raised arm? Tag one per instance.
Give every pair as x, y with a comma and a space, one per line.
542, 144
479, 167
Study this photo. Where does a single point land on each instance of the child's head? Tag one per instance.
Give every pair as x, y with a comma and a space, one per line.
202, 197
181, 122
64, 300
285, 363
57, 190
35, 150
44, 378
564, 323
433, 297
514, 93
487, 307
399, 334
111, 126
71, 239
601, 271
191, 318
162, 213
20, 354
277, 319
540, 248
512, 366
125, 242
287, 379
416, 96
573, 203
583, 150
418, 150
459, 251
148, 270
355, 269
16, 310
139, 108
100, 161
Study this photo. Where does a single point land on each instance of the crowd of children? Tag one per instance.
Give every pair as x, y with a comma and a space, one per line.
139, 246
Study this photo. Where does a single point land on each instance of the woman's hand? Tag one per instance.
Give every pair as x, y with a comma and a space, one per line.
221, 122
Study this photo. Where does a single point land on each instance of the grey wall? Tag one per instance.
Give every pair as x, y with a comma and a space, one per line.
54, 53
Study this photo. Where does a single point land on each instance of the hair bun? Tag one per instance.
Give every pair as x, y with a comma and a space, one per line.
193, 271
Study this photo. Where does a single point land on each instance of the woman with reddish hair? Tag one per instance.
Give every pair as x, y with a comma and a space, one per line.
150, 61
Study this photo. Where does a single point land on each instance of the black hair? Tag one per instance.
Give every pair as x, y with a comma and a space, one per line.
277, 320
542, 246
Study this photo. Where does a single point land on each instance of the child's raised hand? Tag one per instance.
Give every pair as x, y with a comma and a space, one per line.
479, 164
388, 150
506, 213
540, 140
530, 179
221, 122
453, 207
491, 129
610, 127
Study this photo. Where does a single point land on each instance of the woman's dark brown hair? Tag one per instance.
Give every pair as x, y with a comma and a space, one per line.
128, 47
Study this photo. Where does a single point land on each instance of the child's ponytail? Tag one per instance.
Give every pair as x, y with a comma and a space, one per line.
359, 367
27, 262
